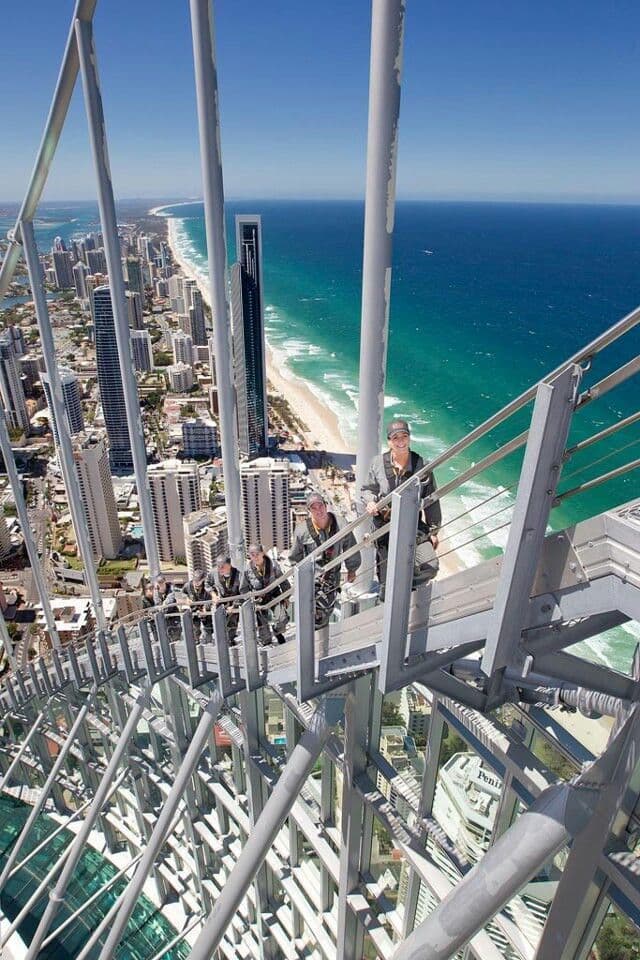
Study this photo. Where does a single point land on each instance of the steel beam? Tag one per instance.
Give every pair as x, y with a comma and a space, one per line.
252, 716
65, 447
46, 789
56, 896
395, 618
27, 533
21, 749
129, 898
109, 223
579, 890
53, 128
350, 935
276, 809
204, 57
505, 868
387, 31
538, 481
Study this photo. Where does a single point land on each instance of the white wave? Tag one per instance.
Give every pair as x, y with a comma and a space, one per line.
390, 401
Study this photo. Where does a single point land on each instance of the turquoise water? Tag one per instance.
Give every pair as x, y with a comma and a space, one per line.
486, 298
147, 930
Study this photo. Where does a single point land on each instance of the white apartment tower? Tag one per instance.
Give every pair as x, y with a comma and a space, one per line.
91, 457
266, 503
80, 280
205, 539
176, 294
199, 438
11, 390
72, 402
141, 351
180, 377
175, 492
182, 346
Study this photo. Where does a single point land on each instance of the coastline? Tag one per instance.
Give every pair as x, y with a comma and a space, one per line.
323, 428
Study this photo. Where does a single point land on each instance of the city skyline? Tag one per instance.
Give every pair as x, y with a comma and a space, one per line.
494, 105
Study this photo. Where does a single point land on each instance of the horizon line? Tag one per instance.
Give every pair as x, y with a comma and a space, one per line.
532, 200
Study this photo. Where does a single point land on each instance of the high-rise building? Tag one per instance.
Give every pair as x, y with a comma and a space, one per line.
135, 278
72, 402
5, 537
266, 503
63, 266
141, 350
160, 288
182, 346
247, 313
31, 367
96, 261
196, 317
176, 294
80, 280
18, 344
134, 310
205, 539
212, 359
110, 380
59, 245
96, 490
11, 389
180, 377
199, 438
175, 492
165, 254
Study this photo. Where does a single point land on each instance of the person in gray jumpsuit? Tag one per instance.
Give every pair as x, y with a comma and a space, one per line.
319, 527
388, 471
259, 573
224, 582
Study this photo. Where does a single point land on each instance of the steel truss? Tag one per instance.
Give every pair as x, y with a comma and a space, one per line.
269, 844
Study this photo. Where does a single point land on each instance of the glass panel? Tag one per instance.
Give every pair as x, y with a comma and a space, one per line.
553, 758
466, 798
618, 938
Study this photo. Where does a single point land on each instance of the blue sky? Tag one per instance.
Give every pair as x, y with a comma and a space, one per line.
513, 99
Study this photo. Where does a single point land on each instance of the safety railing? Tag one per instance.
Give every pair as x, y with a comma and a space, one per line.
450, 532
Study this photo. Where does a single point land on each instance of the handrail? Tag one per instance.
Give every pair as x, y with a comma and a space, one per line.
610, 335
371, 536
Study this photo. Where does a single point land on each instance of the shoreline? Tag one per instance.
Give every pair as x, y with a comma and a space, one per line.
323, 428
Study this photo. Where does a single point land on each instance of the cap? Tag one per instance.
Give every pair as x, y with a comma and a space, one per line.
397, 426
255, 548
315, 497
160, 579
221, 561
198, 576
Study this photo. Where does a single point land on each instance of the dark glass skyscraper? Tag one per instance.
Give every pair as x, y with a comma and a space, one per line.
110, 381
247, 310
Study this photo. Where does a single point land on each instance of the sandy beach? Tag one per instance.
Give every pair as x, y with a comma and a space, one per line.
323, 428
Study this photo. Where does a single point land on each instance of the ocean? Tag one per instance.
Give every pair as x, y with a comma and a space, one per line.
486, 298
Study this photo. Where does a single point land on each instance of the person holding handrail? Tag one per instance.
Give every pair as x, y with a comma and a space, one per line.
259, 572
200, 602
387, 472
321, 525
224, 582
165, 598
